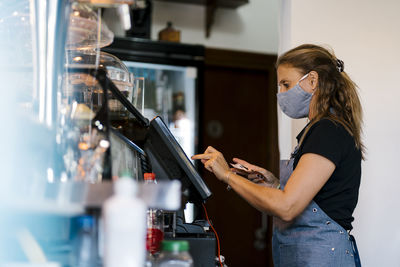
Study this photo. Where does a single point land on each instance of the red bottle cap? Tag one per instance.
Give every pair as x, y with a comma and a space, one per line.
149, 176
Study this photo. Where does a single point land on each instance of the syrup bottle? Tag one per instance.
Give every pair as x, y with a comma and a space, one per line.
155, 225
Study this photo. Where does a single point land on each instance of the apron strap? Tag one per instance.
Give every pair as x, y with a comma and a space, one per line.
355, 251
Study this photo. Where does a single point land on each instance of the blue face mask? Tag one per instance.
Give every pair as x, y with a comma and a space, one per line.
295, 102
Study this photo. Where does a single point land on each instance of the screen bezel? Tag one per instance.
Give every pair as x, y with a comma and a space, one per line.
198, 190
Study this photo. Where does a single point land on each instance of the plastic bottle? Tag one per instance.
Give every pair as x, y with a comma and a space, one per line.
150, 260
124, 226
155, 225
175, 253
84, 253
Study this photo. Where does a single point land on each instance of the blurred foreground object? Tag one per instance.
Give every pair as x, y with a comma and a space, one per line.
108, 3
124, 226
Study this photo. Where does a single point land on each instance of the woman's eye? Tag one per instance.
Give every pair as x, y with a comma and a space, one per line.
286, 85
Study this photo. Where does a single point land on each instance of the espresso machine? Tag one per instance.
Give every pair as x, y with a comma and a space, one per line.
70, 128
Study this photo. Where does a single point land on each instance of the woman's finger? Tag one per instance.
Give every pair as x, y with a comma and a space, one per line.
244, 163
202, 156
210, 149
208, 165
240, 161
250, 166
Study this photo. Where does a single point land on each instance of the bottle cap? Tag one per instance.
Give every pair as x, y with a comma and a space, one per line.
125, 173
149, 176
175, 245
85, 221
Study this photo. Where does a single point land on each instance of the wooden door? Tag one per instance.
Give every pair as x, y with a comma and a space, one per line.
238, 117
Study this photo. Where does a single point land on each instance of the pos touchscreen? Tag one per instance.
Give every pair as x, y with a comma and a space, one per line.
169, 161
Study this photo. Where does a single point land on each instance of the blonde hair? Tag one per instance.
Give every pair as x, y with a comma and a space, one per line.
337, 96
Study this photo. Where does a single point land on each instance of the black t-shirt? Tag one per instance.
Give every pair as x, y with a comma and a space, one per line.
339, 196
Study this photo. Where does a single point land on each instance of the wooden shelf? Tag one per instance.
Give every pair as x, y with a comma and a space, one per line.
211, 6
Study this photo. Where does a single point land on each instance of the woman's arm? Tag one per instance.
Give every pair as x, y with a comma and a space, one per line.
311, 173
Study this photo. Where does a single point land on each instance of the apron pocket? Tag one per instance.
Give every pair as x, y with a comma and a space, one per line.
307, 255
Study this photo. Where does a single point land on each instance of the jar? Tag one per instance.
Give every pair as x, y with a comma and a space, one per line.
175, 253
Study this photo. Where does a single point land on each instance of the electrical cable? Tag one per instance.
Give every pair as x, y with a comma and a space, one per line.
216, 235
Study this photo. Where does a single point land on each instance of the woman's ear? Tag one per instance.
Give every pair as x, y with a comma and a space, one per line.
313, 78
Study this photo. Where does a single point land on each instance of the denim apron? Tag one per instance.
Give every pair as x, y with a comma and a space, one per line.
312, 239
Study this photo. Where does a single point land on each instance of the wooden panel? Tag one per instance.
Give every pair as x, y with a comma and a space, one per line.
239, 119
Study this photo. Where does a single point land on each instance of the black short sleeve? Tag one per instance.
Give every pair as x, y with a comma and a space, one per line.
327, 139
339, 196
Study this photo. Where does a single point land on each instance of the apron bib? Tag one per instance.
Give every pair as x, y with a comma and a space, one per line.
312, 239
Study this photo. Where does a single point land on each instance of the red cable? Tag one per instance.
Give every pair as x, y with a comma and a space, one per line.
216, 235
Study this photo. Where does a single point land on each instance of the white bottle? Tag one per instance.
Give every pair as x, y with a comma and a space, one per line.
124, 226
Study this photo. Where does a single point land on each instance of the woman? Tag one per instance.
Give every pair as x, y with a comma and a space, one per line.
314, 199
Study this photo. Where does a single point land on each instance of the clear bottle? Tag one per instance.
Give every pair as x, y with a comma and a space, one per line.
175, 253
124, 226
84, 253
155, 224
150, 260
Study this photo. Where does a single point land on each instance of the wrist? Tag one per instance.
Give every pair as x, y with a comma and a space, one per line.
227, 176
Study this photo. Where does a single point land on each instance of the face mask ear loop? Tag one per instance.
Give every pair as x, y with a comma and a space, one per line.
302, 78
312, 94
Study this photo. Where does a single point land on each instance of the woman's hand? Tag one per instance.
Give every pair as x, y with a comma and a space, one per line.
214, 162
256, 174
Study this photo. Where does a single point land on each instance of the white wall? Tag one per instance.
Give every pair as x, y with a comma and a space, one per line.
365, 34
252, 27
